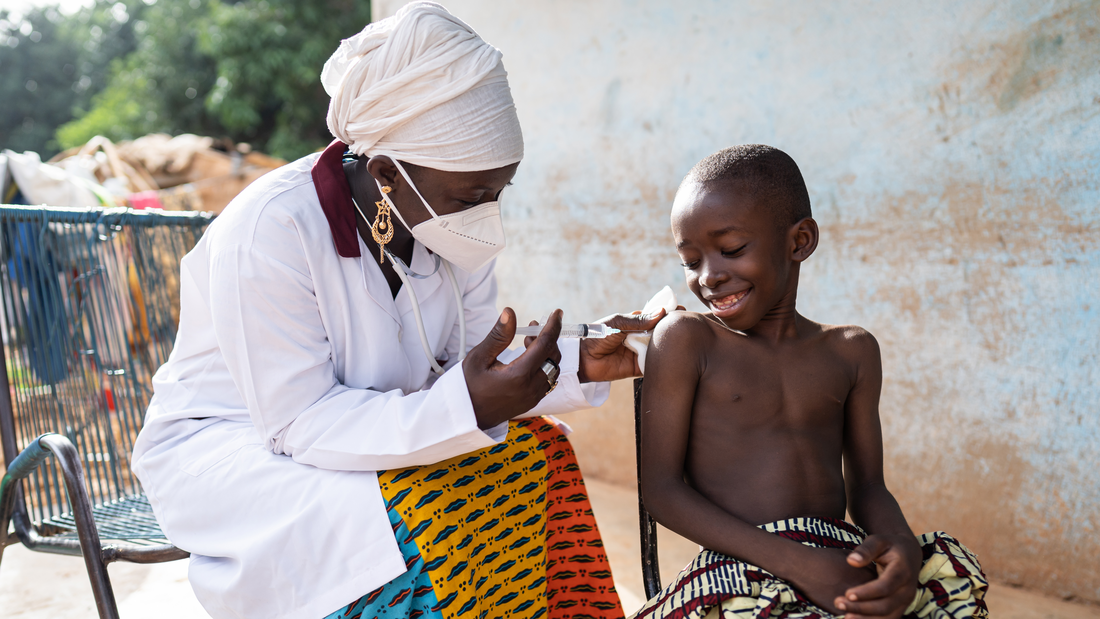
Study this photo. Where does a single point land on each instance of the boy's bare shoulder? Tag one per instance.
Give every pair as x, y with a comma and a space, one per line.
682, 336
683, 328
851, 341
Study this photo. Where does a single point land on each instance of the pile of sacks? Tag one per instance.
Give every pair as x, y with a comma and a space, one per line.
185, 172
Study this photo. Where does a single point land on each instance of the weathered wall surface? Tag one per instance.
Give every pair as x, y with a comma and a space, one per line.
952, 152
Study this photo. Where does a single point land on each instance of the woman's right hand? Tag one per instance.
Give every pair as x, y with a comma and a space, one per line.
825, 574
500, 392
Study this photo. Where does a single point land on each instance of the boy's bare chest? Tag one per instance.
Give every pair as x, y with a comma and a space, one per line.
793, 388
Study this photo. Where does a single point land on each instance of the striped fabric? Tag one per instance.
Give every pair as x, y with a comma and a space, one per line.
506, 532
715, 586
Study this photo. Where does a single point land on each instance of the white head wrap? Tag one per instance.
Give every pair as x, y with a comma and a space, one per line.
424, 88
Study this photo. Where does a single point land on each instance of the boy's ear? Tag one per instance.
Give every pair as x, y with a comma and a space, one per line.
803, 236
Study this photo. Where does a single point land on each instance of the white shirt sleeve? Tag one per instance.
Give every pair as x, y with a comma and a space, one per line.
269, 329
570, 394
480, 302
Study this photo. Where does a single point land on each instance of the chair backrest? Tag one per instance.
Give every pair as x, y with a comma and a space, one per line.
647, 526
90, 307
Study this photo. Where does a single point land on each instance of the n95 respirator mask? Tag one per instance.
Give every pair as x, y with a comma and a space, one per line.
468, 239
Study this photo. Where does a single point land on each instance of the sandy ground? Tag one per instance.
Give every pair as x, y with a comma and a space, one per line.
34, 585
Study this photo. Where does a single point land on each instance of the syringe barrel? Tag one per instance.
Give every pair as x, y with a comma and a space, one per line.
594, 330
580, 330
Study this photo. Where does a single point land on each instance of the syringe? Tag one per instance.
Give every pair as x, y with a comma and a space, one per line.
594, 330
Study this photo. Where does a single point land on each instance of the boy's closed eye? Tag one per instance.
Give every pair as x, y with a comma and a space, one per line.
733, 253
727, 253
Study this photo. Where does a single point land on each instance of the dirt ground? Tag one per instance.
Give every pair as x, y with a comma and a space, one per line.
36, 585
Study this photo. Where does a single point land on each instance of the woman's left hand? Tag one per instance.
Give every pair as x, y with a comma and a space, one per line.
609, 358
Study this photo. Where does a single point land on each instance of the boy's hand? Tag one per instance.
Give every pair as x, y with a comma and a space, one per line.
898, 560
825, 575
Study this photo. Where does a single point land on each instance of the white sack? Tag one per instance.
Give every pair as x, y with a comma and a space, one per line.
45, 184
4, 178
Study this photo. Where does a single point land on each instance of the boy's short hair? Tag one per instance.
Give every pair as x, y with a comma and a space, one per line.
768, 171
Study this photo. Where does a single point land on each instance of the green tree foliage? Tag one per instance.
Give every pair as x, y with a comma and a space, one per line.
268, 86
159, 86
51, 65
247, 70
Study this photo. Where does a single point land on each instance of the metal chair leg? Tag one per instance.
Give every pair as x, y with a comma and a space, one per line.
69, 460
651, 571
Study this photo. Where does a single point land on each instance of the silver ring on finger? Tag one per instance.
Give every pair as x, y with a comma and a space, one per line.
550, 367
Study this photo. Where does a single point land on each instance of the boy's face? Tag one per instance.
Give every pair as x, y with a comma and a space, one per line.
737, 260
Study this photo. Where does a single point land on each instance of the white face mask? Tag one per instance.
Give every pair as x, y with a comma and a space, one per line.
468, 239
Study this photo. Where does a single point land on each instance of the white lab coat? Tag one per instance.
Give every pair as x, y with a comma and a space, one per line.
295, 376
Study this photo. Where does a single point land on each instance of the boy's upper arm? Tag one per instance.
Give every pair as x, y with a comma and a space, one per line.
862, 427
674, 362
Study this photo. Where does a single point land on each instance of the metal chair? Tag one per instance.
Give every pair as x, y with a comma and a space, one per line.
651, 571
90, 306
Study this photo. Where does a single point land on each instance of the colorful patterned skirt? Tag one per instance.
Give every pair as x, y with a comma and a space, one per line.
715, 586
506, 532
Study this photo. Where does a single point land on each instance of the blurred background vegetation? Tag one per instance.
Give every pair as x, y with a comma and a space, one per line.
248, 71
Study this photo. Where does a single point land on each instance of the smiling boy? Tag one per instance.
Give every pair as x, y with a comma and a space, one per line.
761, 427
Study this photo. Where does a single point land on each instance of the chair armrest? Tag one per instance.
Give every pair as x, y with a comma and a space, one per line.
23, 465
68, 459
27, 460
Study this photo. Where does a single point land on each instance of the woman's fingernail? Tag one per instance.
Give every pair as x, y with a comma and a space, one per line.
852, 596
504, 318
841, 605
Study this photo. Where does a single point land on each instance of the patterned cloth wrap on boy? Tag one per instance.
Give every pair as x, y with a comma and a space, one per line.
715, 586
505, 532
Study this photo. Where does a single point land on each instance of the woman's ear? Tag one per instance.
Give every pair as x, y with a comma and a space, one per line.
383, 170
804, 236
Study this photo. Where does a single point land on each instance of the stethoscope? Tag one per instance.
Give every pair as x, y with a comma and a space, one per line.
404, 272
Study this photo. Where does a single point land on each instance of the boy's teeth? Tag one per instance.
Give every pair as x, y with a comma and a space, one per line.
728, 301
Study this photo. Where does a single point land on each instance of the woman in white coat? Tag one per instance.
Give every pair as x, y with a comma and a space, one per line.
316, 439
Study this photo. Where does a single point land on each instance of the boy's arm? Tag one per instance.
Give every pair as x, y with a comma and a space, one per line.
890, 544
675, 362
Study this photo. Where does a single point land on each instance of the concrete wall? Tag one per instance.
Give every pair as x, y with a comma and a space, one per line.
951, 151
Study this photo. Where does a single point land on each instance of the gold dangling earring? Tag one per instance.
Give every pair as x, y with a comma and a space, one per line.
382, 228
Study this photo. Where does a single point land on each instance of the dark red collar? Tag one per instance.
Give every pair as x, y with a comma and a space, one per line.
335, 197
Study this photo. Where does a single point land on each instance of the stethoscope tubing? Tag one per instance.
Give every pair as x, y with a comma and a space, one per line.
402, 273
399, 267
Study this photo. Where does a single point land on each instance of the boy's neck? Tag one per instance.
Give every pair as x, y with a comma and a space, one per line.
781, 321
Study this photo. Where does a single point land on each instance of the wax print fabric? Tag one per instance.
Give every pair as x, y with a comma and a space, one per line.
506, 532
716, 586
